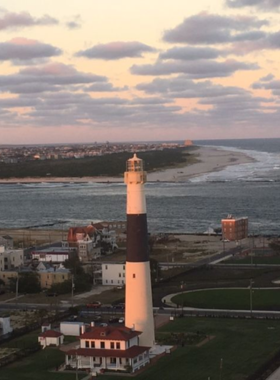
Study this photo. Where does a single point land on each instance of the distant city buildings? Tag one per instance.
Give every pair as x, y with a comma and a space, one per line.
234, 229
17, 154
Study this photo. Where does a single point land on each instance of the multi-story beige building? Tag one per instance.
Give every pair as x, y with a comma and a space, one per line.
52, 276
234, 229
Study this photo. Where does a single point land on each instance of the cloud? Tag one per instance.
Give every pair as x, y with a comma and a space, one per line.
21, 50
269, 41
262, 4
267, 78
183, 87
50, 77
13, 20
205, 28
116, 50
188, 53
75, 23
104, 87
197, 69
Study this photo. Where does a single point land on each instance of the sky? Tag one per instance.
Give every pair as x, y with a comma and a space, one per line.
137, 70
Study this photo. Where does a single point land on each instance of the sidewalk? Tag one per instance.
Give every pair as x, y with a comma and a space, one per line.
275, 375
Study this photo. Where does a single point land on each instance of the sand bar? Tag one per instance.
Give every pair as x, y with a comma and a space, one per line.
210, 160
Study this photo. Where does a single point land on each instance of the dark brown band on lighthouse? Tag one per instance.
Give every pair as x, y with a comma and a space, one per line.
137, 238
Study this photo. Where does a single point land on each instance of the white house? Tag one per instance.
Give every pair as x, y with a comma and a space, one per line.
113, 274
50, 338
11, 258
114, 348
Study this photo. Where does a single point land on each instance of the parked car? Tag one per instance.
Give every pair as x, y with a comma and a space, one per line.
94, 304
121, 320
119, 306
103, 324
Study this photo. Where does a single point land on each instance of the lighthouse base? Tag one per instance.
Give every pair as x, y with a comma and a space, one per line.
138, 301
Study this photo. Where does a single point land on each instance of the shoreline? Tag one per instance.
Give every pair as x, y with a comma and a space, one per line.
210, 159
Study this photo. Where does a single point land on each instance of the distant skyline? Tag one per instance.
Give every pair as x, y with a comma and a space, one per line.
138, 70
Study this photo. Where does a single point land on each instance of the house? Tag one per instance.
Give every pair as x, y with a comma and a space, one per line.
11, 258
50, 338
7, 241
114, 348
113, 274
52, 276
54, 254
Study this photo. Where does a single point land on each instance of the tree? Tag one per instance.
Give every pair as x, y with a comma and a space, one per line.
155, 270
275, 246
74, 265
27, 283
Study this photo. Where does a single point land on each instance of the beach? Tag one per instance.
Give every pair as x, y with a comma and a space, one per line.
209, 159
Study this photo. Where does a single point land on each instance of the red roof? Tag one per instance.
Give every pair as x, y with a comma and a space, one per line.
50, 334
131, 352
110, 333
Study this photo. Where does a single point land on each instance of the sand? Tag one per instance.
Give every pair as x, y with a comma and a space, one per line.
210, 160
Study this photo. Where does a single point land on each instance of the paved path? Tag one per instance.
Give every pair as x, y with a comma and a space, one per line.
275, 375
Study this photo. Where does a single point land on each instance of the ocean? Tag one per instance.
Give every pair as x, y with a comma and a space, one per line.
193, 206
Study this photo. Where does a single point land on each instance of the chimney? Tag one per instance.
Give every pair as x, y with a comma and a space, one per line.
83, 329
92, 324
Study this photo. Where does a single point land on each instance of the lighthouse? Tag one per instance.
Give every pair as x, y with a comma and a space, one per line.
138, 293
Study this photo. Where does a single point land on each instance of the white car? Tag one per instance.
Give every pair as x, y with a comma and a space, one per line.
121, 320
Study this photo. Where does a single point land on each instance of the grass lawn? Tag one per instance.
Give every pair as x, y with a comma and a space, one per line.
234, 299
37, 366
25, 341
255, 260
244, 345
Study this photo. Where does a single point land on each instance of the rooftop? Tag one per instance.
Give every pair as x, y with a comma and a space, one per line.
110, 333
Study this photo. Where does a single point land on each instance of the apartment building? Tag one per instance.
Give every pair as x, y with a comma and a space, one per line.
234, 229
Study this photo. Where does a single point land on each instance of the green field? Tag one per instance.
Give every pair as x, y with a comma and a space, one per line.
244, 345
233, 299
255, 260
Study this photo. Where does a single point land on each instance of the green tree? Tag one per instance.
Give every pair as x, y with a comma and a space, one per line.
155, 271
27, 283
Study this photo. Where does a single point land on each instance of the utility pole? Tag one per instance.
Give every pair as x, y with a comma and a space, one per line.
221, 368
17, 288
72, 291
251, 297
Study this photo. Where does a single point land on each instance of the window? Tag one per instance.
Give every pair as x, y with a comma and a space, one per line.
106, 266
134, 275
112, 345
113, 360
140, 357
102, 344
124, 267
106, 281
112, 281
123, 274
92, 344
135, 360
120, 359
118, 346
87, 343
120, 274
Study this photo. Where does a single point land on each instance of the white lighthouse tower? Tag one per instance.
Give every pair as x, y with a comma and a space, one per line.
138, 294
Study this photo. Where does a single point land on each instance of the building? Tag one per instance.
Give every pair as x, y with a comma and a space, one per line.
7, 241
234, 229
72, 328
54, 254
88, 250
138, 290
50, 338
11, 258
114, 348
5, 325
113, 274
51, 276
